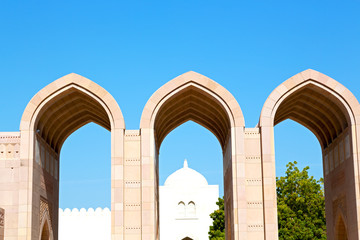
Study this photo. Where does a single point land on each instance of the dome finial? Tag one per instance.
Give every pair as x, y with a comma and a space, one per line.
185, 163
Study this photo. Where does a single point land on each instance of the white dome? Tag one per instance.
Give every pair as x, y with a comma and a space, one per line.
186, 177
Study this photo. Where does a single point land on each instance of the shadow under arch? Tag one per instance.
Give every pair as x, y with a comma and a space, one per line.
46, 232
53, 114
340, 227
330, 111
192, 96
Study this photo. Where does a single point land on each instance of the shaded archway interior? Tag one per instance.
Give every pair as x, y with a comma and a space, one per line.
196, 105
66, 113
340, 229
316, 109
45, 235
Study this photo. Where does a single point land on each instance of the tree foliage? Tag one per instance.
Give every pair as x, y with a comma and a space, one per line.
217, 230
301, 205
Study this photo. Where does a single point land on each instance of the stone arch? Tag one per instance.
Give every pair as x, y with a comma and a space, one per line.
330, 111
54, 113
192, 96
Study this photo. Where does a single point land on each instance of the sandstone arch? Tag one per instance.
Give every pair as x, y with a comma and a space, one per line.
50, 117
330, 111
192, 96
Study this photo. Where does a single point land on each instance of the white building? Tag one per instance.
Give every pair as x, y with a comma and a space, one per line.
186, 201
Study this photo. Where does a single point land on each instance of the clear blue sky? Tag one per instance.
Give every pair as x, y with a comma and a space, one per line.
131, 48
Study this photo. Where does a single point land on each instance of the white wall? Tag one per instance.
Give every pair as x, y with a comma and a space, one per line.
85, 224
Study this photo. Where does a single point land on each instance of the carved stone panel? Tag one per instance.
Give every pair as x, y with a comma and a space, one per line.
45, 208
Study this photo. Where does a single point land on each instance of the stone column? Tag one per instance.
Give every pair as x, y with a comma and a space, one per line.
2, 223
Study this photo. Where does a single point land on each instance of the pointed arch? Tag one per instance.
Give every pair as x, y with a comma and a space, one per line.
67, 104
332, 106
192, 96
50, 117
331, 112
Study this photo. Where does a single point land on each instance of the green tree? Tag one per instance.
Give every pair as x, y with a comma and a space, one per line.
217, 230
301, 205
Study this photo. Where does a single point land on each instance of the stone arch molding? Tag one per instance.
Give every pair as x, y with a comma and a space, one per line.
198, 81
302, 79
63, 84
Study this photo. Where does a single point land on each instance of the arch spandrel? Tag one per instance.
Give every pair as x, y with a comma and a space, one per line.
199, 80
308, 76
69, 81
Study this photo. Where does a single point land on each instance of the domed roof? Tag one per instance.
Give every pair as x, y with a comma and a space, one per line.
186, 177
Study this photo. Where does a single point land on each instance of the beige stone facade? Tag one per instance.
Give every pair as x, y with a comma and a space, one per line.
29, 159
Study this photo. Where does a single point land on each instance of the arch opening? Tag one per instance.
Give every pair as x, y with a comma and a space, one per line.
51, 116
316, 109
67, 112
297, 147
192, 104
194, 97
184, 186
329, 111
59, 118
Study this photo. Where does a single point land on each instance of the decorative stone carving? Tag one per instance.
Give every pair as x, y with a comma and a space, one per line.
45, 207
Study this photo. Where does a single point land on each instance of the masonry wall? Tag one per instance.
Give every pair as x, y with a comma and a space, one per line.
46, 183
10, 196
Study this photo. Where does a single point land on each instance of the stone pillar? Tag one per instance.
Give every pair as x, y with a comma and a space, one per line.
132, 185
2, 223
